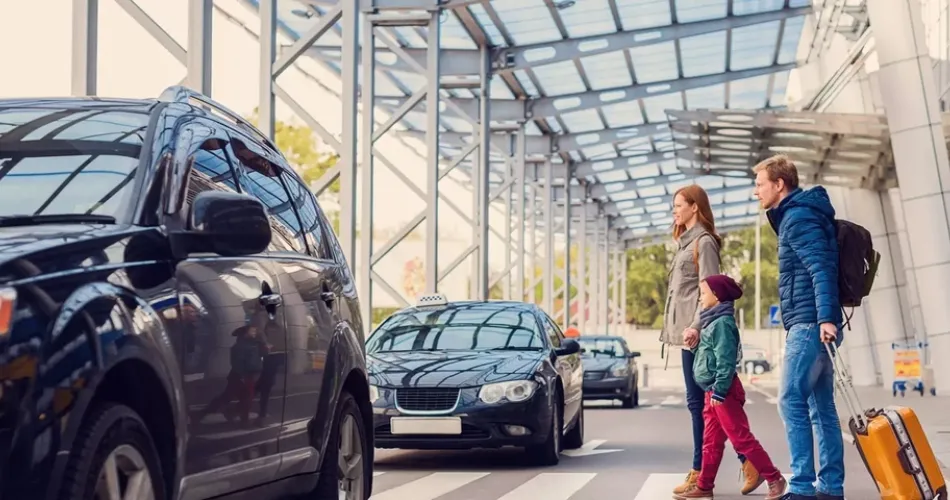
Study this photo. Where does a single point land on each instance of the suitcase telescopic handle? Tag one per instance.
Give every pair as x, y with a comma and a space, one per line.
846, 386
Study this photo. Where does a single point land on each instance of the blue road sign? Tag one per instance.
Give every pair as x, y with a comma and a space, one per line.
775, 316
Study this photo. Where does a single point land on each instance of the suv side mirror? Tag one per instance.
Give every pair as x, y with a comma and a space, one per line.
634, 354
228, 224
568, 347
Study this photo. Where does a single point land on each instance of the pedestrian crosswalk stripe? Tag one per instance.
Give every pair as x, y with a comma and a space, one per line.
430, 487
377, 473
550, 486
658, 486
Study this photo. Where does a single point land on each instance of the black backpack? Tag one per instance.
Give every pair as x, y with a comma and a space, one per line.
857, 265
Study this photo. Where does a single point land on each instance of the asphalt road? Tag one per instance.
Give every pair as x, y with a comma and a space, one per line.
638, 454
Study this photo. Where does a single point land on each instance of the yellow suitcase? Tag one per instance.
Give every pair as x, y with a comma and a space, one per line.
893, 445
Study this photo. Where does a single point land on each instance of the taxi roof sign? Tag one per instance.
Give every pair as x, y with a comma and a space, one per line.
432, 299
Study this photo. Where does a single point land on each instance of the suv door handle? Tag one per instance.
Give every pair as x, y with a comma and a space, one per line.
271, 300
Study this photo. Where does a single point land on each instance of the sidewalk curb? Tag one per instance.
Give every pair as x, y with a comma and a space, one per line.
846, 435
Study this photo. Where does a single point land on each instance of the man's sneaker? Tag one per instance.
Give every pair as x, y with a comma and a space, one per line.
777, 489
825, 496
794, 496
694, 492
752, 478
691, 479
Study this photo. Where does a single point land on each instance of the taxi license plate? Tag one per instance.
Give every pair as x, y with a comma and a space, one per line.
426, 425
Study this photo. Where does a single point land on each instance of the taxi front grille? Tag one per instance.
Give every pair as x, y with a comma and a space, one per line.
427, 399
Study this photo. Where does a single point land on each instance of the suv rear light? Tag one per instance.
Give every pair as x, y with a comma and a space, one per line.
7, 306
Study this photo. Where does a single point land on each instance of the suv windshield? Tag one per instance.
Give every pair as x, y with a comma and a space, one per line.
71, 163
458, 328
602, 347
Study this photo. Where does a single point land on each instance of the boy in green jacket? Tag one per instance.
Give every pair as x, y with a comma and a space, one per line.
714, 369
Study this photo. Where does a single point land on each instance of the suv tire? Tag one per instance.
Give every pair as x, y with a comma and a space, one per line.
113, 439
348, 421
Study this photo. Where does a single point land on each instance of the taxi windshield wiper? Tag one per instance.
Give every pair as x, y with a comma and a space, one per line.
27, 220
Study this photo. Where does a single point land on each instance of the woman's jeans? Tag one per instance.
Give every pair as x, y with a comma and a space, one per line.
807, 402
695, 398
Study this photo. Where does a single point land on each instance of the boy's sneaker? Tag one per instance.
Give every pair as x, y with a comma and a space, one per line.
777, 489
694, 492
794, 496
691, 479
752, 478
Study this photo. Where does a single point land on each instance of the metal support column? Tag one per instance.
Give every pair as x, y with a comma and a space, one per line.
199, 45
582, 269
349, 148
484, 160
548, 237
85, 49
624, 263
268, 39
509, 179
615, 314
604, 281
533, 235
364, 278
432, 153
567, 255
594, 302
519, 200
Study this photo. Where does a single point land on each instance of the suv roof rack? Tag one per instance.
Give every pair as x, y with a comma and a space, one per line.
180, 93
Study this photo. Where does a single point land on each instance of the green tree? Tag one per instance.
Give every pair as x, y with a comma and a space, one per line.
300, 146
647, 284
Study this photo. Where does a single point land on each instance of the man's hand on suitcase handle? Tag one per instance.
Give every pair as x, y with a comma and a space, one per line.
829, 332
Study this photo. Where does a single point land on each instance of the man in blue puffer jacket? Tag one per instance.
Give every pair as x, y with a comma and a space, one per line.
803, 220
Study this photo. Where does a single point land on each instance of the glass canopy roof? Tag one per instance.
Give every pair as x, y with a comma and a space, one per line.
600, 76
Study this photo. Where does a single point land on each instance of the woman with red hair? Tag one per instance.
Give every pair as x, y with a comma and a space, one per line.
696, 258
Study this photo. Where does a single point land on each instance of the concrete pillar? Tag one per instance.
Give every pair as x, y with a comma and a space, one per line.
910, 99
915, 318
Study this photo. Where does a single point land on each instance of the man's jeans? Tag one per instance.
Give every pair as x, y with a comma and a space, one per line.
806, 401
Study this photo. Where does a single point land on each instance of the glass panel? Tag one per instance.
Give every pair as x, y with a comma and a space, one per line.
790, 39
528, 21
703, 54
746, 7
700, 10
655, 63
582, 121
640, 14
748, 93
607, 71
590, 17
656, 106
753, 46
559, 78
623, 114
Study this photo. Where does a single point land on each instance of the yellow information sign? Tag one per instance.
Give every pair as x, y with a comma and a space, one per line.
906, 364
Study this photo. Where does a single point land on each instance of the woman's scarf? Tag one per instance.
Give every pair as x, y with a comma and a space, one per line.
706, 316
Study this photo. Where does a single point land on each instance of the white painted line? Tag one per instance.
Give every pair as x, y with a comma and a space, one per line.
659, 486
588, 448
550, 486
377, 473
652, 407
430, 487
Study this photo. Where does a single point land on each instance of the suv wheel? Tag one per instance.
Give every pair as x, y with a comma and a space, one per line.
346, 472
113, 458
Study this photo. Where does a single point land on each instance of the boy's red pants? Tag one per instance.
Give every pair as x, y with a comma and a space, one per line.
728, 420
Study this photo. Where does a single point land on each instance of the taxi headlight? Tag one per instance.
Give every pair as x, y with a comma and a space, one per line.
619, 371
373, 394
514, 391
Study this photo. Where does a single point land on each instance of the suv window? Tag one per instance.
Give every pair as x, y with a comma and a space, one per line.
210, 172
287, 234
307, 208
69, 160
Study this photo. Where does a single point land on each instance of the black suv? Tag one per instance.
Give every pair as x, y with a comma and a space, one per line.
177, 319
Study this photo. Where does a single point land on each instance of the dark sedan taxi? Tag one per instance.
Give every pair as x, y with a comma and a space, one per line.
475, 375
610, 369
